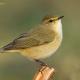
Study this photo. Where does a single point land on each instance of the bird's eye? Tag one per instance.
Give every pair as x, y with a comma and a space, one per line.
51, 20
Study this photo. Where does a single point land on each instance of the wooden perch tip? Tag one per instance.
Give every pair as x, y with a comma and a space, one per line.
45, 73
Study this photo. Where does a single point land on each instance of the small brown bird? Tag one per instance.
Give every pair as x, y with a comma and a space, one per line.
39, 42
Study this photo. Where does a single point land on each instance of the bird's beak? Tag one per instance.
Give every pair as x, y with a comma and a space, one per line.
60, 17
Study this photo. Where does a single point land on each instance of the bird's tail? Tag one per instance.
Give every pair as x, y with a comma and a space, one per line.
8, 48
3, 50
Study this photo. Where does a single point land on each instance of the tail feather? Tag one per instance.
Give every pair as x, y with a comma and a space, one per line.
6, 48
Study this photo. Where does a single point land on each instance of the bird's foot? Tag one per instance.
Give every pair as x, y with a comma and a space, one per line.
42, 64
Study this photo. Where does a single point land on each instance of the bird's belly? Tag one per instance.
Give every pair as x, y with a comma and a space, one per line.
42, 51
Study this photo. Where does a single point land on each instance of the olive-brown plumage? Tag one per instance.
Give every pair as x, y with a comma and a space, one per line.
39, 42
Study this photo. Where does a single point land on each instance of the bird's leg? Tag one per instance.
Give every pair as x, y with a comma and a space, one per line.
42, 64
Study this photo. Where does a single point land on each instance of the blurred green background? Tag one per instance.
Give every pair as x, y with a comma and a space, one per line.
17, 16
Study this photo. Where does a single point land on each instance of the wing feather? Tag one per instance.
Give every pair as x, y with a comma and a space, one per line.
31, 39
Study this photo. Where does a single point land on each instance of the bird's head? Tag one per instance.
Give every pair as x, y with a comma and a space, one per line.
53, 22
51, 19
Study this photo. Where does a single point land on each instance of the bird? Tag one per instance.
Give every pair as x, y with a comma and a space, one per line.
39, 42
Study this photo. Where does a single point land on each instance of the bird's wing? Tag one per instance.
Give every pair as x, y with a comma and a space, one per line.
34, 38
